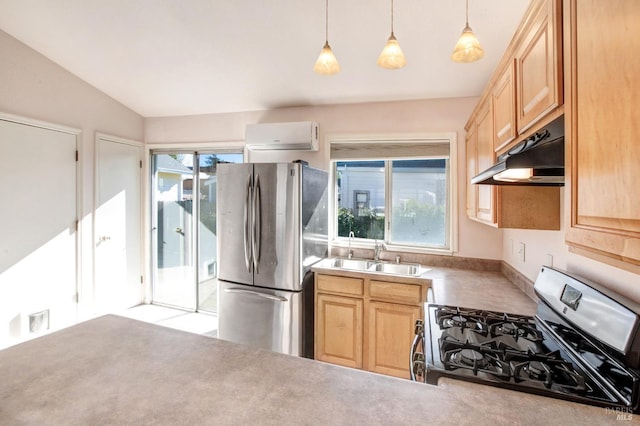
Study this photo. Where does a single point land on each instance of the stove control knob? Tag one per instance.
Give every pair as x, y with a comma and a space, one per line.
418, 357
419, 326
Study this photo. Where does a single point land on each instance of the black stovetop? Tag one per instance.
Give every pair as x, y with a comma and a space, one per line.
521, 353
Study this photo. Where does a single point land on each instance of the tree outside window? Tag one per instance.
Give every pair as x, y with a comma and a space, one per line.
417, 195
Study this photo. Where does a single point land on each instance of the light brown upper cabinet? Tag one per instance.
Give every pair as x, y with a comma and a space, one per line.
523, 95
602, 130
485, 203
524, 207
480, 155
539, 66
504, 107
471, 150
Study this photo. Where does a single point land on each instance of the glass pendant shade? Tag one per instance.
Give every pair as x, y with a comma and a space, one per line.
326, 64
468, 47
391, 56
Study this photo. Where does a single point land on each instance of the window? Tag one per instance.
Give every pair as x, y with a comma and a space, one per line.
405, 201
361, 198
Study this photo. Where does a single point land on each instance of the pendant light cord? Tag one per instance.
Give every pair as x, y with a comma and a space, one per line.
326, 23
467, 13
391, 16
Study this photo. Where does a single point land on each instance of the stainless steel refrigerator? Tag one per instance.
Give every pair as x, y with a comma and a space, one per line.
272, 227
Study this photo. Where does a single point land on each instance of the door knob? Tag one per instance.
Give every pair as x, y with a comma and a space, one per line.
179, 230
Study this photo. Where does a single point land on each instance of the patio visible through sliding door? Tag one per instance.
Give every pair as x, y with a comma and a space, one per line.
184, 224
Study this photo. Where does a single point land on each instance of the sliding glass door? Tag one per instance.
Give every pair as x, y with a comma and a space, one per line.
184, 224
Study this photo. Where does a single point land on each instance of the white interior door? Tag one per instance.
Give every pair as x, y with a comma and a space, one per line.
117, 238
38, 213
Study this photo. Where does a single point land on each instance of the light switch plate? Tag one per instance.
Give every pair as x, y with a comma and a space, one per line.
521, 247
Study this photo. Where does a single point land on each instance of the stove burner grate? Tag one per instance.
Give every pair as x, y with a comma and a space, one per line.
462, 319
470, 357
478, 360
561, 375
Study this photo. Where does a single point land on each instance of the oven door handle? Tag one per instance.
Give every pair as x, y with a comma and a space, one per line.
416, 341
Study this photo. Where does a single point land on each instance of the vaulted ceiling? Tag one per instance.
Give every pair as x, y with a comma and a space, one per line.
183, 57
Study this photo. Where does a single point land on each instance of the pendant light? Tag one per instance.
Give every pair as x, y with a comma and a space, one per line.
468, 47
326, 64
391, 56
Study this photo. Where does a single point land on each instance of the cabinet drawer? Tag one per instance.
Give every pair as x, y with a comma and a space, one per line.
396, 292
340, 285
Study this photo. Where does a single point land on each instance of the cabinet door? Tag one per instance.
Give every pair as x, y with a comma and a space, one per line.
539, 67
472, 170
390, 334
504, 108
339, 328
602, 128
486, 193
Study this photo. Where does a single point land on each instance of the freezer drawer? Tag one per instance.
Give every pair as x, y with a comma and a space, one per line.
258, 317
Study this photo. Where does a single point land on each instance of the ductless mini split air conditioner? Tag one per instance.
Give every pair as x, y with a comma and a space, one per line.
299, 135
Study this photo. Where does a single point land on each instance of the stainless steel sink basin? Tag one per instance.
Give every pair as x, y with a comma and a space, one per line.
396, 268
364, 265
353, 264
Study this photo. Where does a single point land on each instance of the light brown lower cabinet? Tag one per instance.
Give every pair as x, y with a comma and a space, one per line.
339, 330
367, 324
391, 331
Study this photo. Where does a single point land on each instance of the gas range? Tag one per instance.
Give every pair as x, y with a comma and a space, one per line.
582, 345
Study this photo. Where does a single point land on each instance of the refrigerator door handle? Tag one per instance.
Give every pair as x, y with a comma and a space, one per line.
255, 293
247, 232
257, 221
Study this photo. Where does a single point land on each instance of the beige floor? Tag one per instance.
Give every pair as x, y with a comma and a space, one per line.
193, 322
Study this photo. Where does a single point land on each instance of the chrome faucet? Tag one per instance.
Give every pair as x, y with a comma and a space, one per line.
349, 252
377, 249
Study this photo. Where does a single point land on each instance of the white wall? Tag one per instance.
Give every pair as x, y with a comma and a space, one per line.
33, 86
475, 240
540, 244
423, 116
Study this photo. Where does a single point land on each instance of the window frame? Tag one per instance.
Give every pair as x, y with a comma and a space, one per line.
451, 230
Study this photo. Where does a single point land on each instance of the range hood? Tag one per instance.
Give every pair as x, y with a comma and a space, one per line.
537, 160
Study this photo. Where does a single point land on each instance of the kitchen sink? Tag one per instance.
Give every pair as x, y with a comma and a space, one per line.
353, 264
396, 268
364, 265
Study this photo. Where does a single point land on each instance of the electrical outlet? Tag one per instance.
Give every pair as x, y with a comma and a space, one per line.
550, 260
511, 246
521, 247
